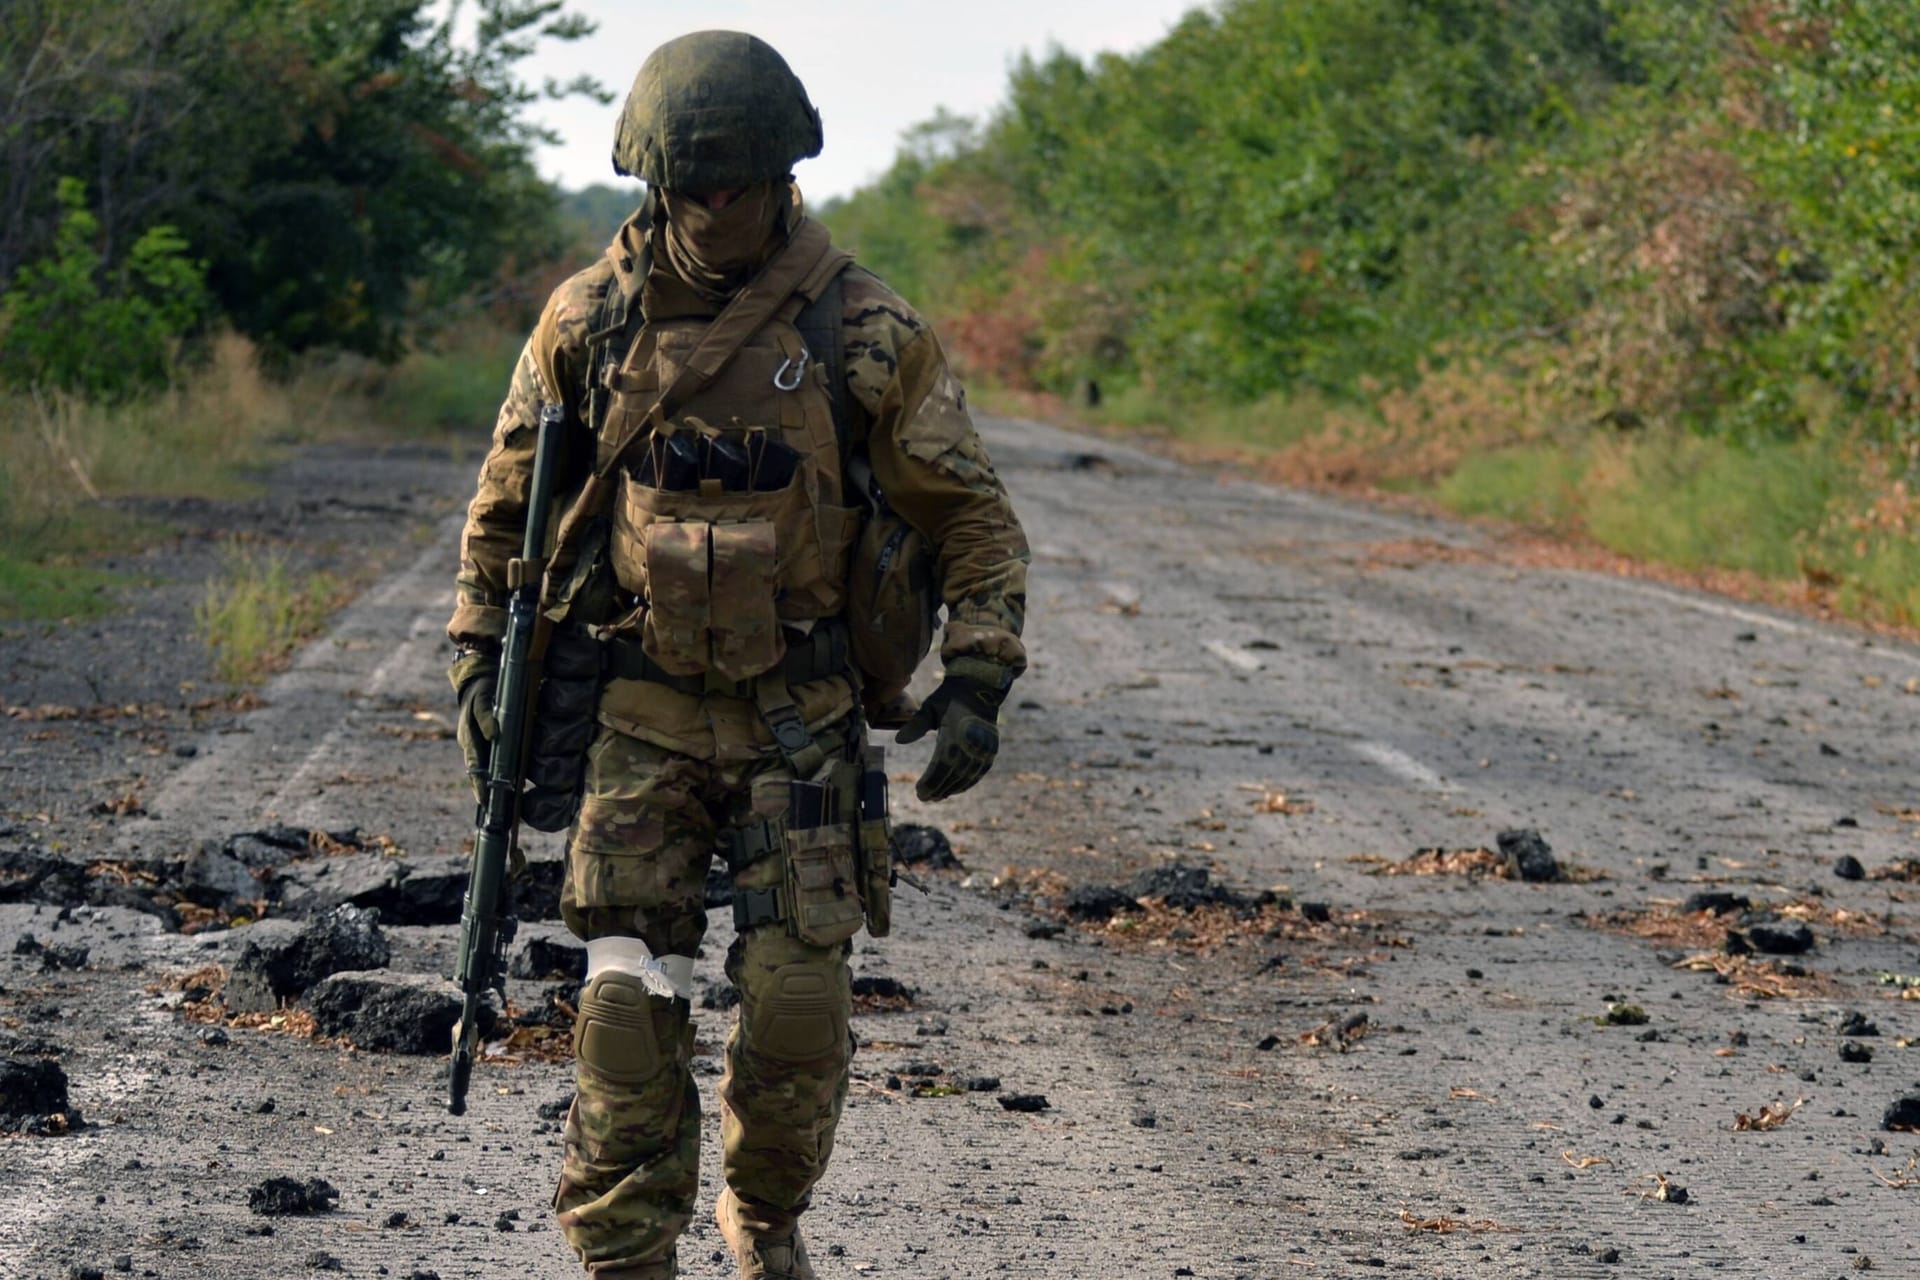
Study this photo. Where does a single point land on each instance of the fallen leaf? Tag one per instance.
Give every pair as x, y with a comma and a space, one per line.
1584, 1162
1281, 803
1770, 1116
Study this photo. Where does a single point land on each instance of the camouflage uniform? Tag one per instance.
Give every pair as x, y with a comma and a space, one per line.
671, 771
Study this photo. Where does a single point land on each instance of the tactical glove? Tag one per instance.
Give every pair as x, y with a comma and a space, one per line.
966, 710
475, 674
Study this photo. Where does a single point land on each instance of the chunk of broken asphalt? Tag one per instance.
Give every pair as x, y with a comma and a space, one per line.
1854, 1051
33, 1090
1184, 888
1855, 1023
1715, 902
918, 845
409, 891
1528, 856
1902, 1115
290, 1196
398, 1013
1848, 867
281, 959
1781, 937
880, 987
545, 955
1024, 1102
1098, 902
214, 877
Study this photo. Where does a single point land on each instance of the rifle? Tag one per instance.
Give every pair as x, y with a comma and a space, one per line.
485, 927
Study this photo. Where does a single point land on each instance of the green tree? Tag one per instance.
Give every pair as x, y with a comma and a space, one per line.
343, 166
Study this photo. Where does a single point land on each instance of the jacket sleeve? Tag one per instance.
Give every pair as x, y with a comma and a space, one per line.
934, 469
553, 364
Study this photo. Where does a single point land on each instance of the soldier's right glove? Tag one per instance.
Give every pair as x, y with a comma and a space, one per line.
475, 674
966, 711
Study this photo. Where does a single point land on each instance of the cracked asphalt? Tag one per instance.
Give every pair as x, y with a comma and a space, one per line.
1297, 692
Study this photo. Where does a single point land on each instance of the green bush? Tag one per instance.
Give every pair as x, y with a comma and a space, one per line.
70, 325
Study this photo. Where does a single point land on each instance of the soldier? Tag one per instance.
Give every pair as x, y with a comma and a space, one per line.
732, 714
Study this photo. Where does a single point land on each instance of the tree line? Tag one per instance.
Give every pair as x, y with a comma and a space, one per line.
322, 173
1632, 212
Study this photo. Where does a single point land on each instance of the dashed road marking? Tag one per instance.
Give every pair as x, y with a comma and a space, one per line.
1231, 656
1401, 765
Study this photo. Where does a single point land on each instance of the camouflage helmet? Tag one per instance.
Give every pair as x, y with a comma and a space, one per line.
712, 111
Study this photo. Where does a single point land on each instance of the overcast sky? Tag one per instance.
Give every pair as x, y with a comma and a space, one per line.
872, 69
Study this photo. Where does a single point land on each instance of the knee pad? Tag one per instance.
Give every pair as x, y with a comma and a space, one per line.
798, 1012
614, 1034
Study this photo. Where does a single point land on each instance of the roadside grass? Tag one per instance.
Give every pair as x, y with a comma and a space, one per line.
35, 590
256, 613
65, 461
1828, 517
453, 387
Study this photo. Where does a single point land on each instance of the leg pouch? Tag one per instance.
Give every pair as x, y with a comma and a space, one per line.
823, 892
679, 607
746, 580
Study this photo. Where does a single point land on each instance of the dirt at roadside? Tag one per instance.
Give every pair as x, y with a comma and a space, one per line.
95, 715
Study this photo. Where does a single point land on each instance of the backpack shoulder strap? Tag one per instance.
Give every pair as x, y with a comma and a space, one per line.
822, 327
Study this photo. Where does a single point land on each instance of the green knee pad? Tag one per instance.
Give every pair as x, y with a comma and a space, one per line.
799, 1012
614, 1034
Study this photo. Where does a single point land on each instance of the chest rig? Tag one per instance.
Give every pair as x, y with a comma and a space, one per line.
731, 519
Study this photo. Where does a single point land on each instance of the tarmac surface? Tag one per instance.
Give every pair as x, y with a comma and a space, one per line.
1354, 1059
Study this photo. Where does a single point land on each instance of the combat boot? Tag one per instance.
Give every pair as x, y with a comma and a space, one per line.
762, 1254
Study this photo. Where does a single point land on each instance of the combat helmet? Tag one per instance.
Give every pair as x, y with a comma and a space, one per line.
712, 111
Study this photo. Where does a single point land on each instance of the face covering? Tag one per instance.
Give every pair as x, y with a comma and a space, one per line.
718, 249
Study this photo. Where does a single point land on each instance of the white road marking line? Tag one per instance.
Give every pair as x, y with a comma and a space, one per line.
1752, 618
1231, 656
1401, 765
327, 750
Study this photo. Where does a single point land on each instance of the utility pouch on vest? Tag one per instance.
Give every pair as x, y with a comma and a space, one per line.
744, 627
679, 618
876, 846
563, 729
715, 568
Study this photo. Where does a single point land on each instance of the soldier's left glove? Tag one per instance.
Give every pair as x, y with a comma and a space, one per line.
475, 674
966, 711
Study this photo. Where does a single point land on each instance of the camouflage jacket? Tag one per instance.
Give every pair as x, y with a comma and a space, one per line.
913, 420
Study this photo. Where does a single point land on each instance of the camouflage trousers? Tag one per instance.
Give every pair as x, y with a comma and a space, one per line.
637, 867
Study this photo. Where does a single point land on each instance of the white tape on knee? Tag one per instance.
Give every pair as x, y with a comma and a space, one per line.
669, 977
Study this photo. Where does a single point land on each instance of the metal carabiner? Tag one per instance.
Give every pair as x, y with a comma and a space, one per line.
799, 367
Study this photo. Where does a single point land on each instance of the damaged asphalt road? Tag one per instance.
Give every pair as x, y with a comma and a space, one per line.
1353, 896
